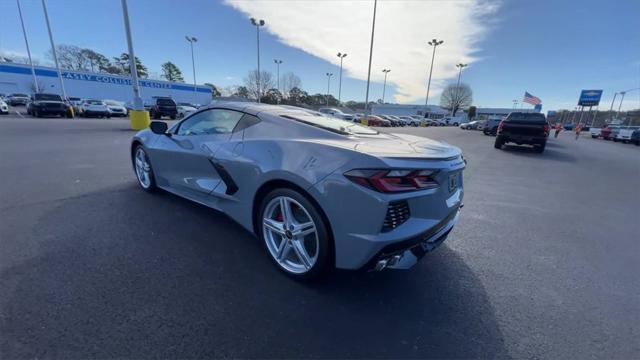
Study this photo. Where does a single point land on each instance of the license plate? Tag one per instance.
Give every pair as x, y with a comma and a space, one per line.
453, 182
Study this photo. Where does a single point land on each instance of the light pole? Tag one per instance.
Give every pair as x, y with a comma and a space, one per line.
384, 87
278, 62
620, 106
341, 56
26, 41
460, 66
329, 75
191, 40
53, 50
138, 116
373, 29
258, 24
435, 44
611, 108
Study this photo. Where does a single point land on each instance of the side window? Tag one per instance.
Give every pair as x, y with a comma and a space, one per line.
246, 121
214, 121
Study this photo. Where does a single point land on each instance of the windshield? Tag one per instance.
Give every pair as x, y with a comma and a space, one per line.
49, 97
95, 102
19, 95
331, 124
523, 117
112, 102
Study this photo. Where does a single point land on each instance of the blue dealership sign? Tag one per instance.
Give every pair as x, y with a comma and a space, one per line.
590, 97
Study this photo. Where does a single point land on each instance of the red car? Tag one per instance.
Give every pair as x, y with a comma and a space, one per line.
605, 132
378, 121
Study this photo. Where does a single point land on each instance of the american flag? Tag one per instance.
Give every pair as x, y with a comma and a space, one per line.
530, 99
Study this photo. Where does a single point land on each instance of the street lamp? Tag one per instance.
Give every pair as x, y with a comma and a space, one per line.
138, 116
460, 66
373, 28
53, 50
435, 44
191, 40
278, 62
26, 41
341, 56
384, 87
611, 108
258, 24
620, 106
329, 75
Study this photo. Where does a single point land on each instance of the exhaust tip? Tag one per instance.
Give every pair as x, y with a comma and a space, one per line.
380, 265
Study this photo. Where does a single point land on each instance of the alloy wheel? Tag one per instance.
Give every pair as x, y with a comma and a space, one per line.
290, 235
143, 168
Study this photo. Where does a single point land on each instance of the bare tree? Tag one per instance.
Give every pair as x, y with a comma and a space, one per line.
251, 83
289, 81
70, 57
454, 98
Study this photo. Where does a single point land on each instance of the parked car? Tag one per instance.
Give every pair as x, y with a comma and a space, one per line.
18, 99
469, 126
491, 126
43, 104
410, 120
435, 122
375, 120
595, 132
297, 210
454, 120
605, 132
94, 108
163, 106
184, 110
4, 107
635, 137
116, 108
523, 128
615, 130
625, 133
75, 103
392, 122
337, 113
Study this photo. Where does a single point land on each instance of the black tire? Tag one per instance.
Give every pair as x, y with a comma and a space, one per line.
173, 117
594, 136
152, 187
108, 116
324, 262
484, 132
539, 148
498, 143
37, 114
636, 143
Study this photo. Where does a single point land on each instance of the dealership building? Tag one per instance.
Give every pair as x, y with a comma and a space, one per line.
17, 78
436, 112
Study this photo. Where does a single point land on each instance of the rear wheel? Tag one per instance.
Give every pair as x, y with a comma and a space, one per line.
295, 234
539, 148
498, 143
144, 172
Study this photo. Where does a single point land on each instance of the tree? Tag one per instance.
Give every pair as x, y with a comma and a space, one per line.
472, 112
70, 57
453, 98
297, 96
214, 90
97, 61
272, 96
171, 72
242, 92
265, 81
289, 81
123, 62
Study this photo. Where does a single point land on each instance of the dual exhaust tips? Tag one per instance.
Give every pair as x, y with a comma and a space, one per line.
387, 262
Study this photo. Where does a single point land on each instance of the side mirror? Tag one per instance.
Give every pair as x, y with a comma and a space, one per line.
159, 127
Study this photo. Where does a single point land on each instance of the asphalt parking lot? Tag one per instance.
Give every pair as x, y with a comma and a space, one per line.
543, 264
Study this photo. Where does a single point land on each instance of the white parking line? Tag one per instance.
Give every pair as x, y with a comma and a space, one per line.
18, 112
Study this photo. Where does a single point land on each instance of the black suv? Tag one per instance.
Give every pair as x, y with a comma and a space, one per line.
523, 128
42, 104
163, 106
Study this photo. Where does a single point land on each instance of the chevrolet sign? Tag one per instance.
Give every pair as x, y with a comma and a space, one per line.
590, 98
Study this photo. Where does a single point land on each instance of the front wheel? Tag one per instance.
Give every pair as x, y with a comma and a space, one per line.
144, 171
295, 234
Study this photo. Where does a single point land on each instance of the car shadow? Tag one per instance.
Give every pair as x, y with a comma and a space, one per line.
552, 152
123, 273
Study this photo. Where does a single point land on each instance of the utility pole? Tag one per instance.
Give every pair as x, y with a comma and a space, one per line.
620, 106
384, 87
53, 50
191, 40
26, 41
373, 29
329, 75
138, 116
611, 108
341, 56
258, 24
278, 62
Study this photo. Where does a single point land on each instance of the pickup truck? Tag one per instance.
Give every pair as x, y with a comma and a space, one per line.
42, 104
523, 128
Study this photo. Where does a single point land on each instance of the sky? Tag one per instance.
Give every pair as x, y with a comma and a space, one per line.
550, 48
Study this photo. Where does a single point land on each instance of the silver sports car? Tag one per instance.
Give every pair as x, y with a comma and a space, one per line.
319, 192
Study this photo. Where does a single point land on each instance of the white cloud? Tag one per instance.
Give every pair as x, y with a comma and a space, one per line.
403, 28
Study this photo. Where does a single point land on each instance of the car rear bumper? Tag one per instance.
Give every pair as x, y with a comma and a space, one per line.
522, 139
96, 113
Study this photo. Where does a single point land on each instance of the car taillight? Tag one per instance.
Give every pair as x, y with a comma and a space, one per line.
546, 128
391, 181
500, 126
